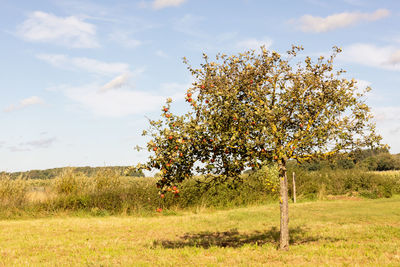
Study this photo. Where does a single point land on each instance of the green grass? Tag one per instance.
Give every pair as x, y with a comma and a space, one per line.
327, 233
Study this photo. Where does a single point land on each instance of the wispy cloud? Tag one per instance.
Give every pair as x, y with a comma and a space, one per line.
253, 43
161, 53
314, 24
229, 42
175, 90
18, 149
118, 98
385, 57
189, 24
160, 4
33, 144
40, 143
117, 102
387, 114
395, 130
30, 101
124, 38
85, 64
355, 2
66, 31
116, 83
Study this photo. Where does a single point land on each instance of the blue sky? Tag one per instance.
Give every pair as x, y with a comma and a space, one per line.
80, 78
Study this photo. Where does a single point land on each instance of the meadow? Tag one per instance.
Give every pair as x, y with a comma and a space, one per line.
343, 217
357, 232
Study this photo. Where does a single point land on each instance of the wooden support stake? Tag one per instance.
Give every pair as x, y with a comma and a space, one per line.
294, 187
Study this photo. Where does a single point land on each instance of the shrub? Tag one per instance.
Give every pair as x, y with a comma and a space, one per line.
340, 182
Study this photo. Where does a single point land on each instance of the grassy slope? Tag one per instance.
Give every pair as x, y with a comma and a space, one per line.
365, 232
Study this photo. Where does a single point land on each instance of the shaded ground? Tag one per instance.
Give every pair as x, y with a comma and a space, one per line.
234, 239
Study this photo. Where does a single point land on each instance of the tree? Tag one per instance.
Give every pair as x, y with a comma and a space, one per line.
253, 107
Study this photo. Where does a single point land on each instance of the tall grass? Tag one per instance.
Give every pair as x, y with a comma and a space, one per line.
12, 192
109, 193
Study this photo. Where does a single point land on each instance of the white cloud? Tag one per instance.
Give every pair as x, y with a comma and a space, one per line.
67, 31
159, 4
394, 58
113, 103
253, 43
120, 99
125, 39
85, 64
30, 101
116, 83
309, 23
385, 57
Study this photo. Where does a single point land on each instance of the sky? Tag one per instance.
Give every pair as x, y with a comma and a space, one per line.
80, 79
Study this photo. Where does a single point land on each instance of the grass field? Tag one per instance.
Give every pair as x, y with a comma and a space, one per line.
340, 232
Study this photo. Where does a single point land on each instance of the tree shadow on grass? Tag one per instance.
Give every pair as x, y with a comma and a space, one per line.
234, 239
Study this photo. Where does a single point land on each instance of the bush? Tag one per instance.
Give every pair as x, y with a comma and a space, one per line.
342, 182
253, 189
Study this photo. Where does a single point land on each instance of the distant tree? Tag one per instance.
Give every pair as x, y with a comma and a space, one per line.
255, 107
359, 155
386, 162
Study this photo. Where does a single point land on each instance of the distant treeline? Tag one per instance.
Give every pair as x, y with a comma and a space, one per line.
370, 160
88, 171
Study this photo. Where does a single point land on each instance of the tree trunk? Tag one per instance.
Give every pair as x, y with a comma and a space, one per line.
284, 207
